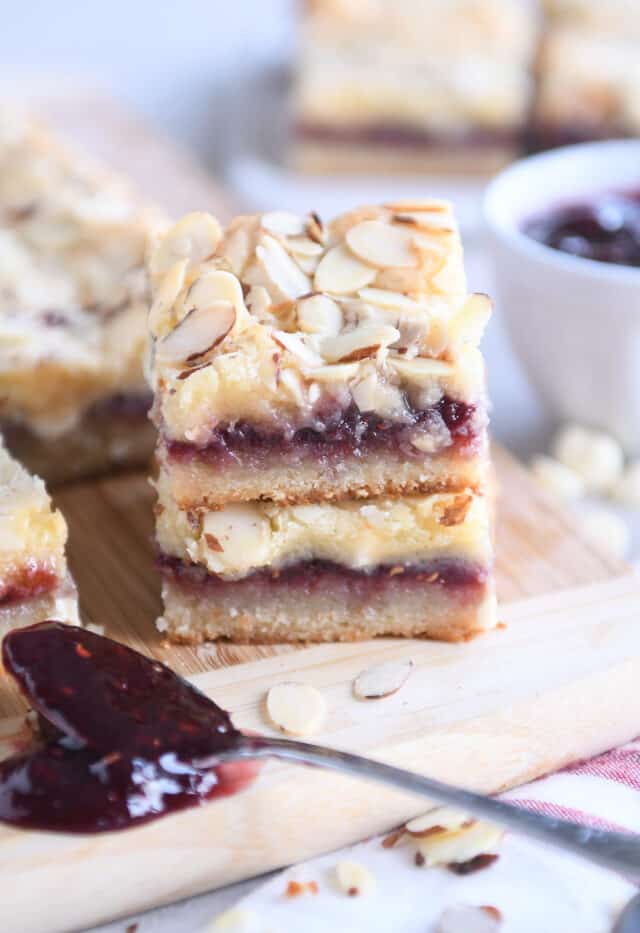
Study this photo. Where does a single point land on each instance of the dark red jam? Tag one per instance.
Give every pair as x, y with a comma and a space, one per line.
28, 582
120, 736
340, 434
606, 229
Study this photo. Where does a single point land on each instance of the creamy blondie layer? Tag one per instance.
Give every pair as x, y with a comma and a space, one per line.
442, 85
73, 303
34, 580
298, 362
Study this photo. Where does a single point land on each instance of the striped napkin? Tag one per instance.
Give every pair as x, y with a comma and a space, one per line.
533, 889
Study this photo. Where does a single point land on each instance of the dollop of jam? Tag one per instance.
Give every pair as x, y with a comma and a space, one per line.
121, 736
606, 228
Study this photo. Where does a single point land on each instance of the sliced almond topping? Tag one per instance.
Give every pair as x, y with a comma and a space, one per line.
319, 314
382, 680
337, 373
436, 224
197, 334
315, 228
444, 819
409, 205
468, 325
420, 370
359, 343
382, 245
283, 222
393, 301
468, 919
284, 274
195, 238
304, 246
214, 286
296, 345
298, 709
341, 273
236, 249
354, 879
165, 296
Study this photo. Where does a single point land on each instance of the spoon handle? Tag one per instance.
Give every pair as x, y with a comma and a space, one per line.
614, 850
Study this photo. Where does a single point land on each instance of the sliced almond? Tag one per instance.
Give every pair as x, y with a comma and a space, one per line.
468, 325
446, 819
284, 223
296, 345
284, 274
421, 371
417, 205
337, 373
194, 238
382, 245
298, 709
393, 301
169, 287
319, 314
341, 273
353, 879
382, 680
293, 384
436, 223
467, 919
362, 342
214, 286
304, 246
236, 249
197, 334
478, 839
259, 302
373, 394
315, 228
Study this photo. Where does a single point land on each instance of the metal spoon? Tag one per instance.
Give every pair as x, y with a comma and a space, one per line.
617, 851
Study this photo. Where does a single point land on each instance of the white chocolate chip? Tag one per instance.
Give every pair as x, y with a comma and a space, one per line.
194, 238
468, 919
341, 273
236, 537
362, 342
382, 680
284, 274
283, 223
319, 314
627, 490
372, 394
558, 479
198, 333
298, 709
441, 818
607, 530
353, 879
596, 457
382, 245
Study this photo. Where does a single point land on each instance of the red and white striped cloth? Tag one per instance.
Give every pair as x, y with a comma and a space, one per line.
536, 889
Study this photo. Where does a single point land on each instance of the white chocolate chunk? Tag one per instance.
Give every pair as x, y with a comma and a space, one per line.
353, 879
596, 457
341, 273
607, 530
468, 919
237, 536
382, 680
382, 245
627, 490
558, 479
298, 709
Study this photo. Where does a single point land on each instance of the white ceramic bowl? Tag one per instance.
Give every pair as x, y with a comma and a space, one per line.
575, 323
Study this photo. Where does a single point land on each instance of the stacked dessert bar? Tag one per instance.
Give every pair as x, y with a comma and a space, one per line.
420, 86
34, 581
589, 72
320, 402
73, 305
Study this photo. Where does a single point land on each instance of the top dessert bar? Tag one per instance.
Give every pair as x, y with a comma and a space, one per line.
73, 303
619, 17
296, 361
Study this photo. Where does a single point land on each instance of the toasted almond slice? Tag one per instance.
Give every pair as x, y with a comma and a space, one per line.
442, 818
393, 301
195, 238
284, 223
359, 343
298, 709
304, 246
419, 205
285, 275
382, 245
296, 345
217, 285
236, 249
420, 370
341, 273
467, 919
468, 325
436, 223
336, 373
315, 228
382, 680
459, 846
199, 332
169, 287
354, 879
319, 314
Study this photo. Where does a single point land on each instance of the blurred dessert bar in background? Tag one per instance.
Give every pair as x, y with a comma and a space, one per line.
321, 407
413, 85
34, 580
73, 304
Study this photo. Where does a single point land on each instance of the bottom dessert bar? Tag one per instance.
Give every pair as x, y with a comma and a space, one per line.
51, 598
317, 601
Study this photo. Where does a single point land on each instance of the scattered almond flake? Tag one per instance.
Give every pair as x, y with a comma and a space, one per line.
304, 246
298, 888
392, 839
281, 270
468, 919
382, 680
472, 865
420, 370
196, 334
359, 343
296, 708
194, 238
340, 272
315, 228
237, 920
295, 344
214, 286
382, 245
393, 301
354, 879
319, 314
165, 297
461, 845
284, 223
439, 818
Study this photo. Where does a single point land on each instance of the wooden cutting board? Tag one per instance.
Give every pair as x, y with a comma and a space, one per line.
558, 682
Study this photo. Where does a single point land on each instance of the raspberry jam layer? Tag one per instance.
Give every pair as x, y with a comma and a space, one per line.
122, 736
27, 582
454, 425
309, 576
